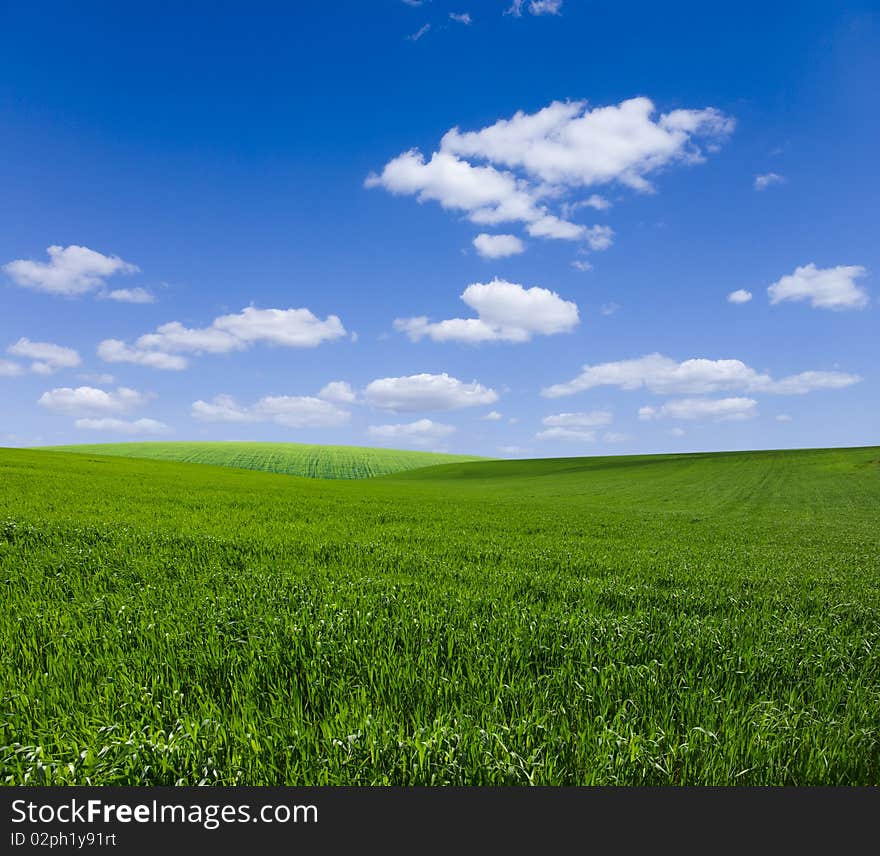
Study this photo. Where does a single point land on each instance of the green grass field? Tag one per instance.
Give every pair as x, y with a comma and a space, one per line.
689, 619
293, 459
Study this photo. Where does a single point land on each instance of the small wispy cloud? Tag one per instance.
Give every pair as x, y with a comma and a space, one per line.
768, 179
739, 296
461, 17
419, 33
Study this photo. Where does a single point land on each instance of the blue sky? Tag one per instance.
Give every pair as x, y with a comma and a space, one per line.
266, 227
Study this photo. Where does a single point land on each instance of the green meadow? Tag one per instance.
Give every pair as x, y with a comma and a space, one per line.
705, 619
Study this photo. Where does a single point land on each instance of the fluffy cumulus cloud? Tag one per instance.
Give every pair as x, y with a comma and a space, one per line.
70, 270
421, 432
291, 411
719, 410
506, 312
498, 246
768, 179
492, 416
45, 356
739, 296
515, 170
339, 391
663, 375
291, 328
90, 401
426, 392
566, 144
123, 426
824, 288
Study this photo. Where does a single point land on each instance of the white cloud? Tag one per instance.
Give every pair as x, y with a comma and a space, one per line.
129, 295
678, 432
461, 18
582, 266
568, 144
825, 288
514, 451
10, 369
801, 384
70, 270
507, 313
739, 296
599, 237
492, 416
535, 7
115, 351
593, 419
419, 33
426, 392
498, 246
663, 375
609, 308
574, 434
421, 432
614, 437
88, 400
762, 182
545, 7
513, 170
487, 195
290, 411
292, 328
551, 226
123, 426
783, 417
339, 391
720, 410
594, 201
46, 357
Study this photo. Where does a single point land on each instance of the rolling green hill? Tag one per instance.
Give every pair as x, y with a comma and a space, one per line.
672, 619
297, 459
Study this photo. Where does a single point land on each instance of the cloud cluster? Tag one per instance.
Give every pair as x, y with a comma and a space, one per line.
719, 410
291, 411
825, 288
513, 170
292, 328
506, 312
426, 392
663, 375
70, 271
46, 357
90, 401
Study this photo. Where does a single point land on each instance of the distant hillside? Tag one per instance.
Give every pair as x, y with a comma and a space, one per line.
297, 459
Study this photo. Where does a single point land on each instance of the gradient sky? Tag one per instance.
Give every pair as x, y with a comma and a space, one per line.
648, 166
